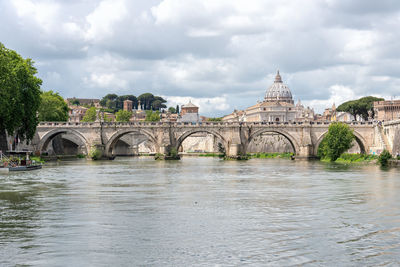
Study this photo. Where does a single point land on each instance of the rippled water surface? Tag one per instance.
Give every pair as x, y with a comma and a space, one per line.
200, 212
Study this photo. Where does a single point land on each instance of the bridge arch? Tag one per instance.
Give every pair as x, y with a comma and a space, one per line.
292, 140
45, 140
117, 135
358, 137
186, 134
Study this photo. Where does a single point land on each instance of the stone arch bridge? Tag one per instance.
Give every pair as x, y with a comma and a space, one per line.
235, 137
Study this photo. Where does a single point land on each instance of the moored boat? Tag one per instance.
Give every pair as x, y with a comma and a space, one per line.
25, 168
9, 164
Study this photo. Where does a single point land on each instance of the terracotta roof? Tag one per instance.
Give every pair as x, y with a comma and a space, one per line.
189, 105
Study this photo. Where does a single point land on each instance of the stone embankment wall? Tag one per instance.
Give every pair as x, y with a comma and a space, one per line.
200, 143
269, 143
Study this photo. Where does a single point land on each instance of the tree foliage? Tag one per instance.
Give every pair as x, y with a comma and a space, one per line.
109, 98
214, 119
384, 157
53, 107
95, 153
152, 115
119, 102
123, 116
151, 102
147, 101
19, 94
172, 110
337, 141
90, 115
360, 107
75, 102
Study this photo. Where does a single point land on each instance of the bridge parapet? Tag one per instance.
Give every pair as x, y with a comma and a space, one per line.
198, 124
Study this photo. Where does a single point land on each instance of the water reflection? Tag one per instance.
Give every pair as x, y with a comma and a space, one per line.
200, 211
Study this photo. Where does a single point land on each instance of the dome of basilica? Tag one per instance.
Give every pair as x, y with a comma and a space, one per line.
278, 91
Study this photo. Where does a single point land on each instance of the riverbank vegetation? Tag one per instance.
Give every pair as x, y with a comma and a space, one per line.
38, 159
384, 158
353, 158
220, 155
95, 153
19, 95
261, 155
273, 155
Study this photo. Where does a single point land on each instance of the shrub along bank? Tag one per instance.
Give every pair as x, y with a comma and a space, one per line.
353, 158
269, 155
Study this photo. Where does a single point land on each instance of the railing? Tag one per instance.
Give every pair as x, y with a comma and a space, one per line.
3, 157
194, 124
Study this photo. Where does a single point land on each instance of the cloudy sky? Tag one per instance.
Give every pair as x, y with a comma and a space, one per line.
222, 54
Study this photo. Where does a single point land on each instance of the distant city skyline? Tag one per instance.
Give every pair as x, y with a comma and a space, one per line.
221, 55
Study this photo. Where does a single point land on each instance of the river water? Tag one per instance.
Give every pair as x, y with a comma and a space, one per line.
200, 212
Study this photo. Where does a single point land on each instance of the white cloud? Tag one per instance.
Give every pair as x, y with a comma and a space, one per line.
45, 13
73, 29
102, 20
337, 95
105, 80
205, 49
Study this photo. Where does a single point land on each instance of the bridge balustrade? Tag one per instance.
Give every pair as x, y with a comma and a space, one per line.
189, 124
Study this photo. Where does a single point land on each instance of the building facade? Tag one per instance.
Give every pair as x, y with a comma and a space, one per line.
128, 105
189, 113
277, 106
387, 110
76, 113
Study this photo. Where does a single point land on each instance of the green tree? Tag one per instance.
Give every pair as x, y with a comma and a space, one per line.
146, 99
360, 106
337, 141
214, 119
19, 94
123, 116
172, 110
111, 104
53, 107
158, 103
90, 115
152, 115
110, 98
75, 102
106, 118
177, 109
120, 101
